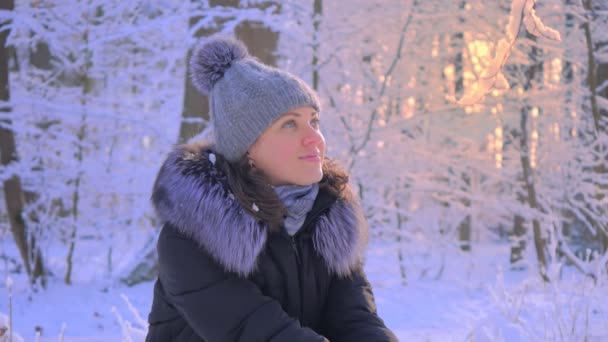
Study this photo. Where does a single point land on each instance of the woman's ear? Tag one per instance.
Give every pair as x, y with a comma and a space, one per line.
250, 160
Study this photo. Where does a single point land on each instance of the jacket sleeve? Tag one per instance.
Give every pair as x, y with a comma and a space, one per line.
218, 305
350, 313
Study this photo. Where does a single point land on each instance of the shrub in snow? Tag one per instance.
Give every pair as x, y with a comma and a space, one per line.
5, 333
568, 310
131, 332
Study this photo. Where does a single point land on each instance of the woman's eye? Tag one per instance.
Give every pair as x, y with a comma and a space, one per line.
315, 122
289, 124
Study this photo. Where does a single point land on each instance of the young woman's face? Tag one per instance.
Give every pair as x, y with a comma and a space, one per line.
292, 149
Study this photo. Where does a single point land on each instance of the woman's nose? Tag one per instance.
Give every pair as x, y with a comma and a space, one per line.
312, 136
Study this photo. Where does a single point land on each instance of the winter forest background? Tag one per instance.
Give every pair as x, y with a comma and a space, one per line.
475, 132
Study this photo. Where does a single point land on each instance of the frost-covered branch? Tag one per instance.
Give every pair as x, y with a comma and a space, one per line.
491, 77
387, 76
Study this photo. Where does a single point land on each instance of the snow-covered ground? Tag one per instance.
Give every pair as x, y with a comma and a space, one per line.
458, 297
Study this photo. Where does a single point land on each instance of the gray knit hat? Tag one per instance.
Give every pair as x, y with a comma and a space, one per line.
245, 96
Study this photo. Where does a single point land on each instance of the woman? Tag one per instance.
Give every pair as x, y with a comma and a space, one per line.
262, 237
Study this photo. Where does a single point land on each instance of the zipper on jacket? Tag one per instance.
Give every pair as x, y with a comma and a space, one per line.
295, 248
292, 238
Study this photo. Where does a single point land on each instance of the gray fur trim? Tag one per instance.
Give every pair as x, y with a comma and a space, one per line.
192, 195
341, 237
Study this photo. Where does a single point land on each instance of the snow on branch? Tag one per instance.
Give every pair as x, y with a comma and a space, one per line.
138, 319
535, 26
491, 76
5, 16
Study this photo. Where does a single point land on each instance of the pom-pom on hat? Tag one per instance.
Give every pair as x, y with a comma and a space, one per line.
245, 96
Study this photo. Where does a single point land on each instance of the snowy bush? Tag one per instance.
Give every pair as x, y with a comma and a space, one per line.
131, 332
570, 310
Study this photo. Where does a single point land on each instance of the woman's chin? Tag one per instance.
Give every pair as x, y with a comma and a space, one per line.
299, 176
310, 179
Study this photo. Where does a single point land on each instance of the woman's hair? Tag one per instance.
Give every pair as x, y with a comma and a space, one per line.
251, 188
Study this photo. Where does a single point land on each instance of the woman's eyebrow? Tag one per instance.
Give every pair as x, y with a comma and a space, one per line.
299, 115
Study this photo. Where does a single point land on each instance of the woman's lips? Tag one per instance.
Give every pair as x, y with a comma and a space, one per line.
312, 158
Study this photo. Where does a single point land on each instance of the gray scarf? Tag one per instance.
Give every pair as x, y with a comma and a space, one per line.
298, 200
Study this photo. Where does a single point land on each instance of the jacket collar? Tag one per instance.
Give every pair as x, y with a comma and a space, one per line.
192, 195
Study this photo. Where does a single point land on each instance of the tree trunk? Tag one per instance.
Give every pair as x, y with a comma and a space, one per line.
592, 80
518, 240
86, 83
399, 245
539, 243
40, 57
532, 72
13, 191
464, 228
316, 19
597, 74
457, 44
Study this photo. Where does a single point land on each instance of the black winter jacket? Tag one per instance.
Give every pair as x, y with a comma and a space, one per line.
224, 276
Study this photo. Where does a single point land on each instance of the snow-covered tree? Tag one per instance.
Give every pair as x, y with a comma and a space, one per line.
461, 122
83, 126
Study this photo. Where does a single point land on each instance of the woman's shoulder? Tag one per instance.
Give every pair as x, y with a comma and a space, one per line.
183, 265
192, 198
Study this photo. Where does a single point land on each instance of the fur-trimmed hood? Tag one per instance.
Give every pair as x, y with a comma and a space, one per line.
193, 195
